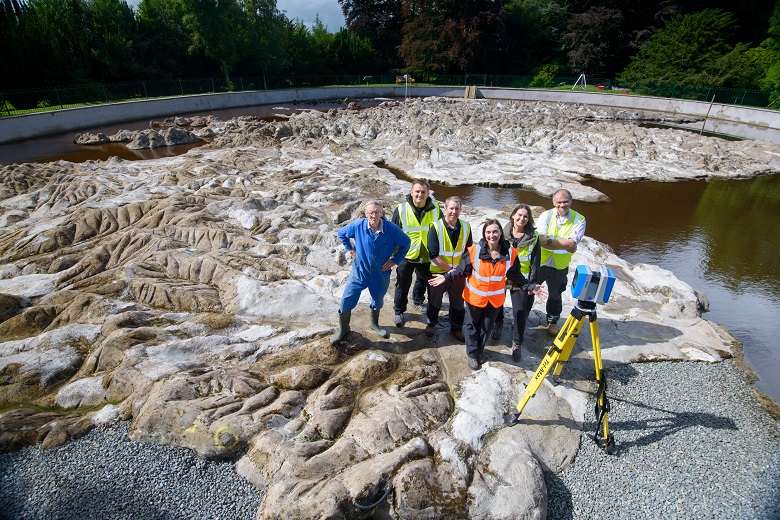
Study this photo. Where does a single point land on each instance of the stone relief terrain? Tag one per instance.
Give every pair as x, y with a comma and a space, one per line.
195, 295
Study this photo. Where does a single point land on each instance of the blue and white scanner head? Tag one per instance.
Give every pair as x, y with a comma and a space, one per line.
592, 286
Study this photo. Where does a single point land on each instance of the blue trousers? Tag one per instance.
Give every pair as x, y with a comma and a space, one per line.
376, 284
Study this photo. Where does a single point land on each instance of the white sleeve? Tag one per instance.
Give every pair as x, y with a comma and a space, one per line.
542, 222
579, 231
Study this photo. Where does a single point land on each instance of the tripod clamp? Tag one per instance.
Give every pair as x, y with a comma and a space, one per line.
590, 288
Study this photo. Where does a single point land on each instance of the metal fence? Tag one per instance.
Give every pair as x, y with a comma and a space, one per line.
36, 100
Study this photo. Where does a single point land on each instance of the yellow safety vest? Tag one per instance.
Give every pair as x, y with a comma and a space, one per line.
561, 257
417, 231
451, 255
524, 255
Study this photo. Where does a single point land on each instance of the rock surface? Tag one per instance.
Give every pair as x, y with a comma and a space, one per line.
197, 295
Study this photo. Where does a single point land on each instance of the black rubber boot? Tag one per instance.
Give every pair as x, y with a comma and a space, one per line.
382, 333
343, 327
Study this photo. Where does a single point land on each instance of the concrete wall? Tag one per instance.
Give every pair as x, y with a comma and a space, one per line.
751, 123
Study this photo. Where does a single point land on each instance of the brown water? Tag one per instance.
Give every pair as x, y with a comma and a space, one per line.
717, 236
61, 146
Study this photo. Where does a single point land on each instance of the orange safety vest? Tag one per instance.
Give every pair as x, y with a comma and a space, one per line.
487, 281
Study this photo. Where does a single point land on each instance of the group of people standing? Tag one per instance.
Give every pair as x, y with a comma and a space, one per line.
436, 246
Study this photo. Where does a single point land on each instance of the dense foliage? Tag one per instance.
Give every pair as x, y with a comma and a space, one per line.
701, 42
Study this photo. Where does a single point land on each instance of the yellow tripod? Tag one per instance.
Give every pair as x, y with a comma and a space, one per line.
558, 354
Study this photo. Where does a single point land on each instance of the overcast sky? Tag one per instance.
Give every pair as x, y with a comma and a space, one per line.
305, 10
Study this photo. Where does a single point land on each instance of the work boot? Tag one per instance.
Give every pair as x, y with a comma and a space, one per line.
515, 352
340, 334
552, 324
497, 326
473, 363
459, 335
399, 320
382, 333
553, 328
430, 330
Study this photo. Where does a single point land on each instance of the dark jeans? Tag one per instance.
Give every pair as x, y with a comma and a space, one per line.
556, 284
454, 291
521, 308
403, 281
479, 325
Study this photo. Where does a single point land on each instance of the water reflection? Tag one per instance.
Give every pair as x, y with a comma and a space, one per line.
717, 236
727, 211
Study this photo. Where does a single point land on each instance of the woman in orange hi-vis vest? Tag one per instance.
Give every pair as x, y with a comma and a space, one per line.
486, 266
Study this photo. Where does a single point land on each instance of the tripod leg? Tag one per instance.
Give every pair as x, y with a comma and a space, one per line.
566, 339
562, 345
603, 437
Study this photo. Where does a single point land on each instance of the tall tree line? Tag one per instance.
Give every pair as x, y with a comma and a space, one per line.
710, 42
62, 42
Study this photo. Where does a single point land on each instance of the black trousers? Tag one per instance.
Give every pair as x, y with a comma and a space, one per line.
403, 281
556, 283
454, 290
521, 308
479, 324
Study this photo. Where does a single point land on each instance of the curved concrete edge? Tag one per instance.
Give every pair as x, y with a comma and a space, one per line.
744, 122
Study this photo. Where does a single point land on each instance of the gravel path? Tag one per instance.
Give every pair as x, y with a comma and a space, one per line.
691, 443
106, 476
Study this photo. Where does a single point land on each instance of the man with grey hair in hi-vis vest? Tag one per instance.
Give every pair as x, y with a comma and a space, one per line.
415, 216
448, 239
560, 230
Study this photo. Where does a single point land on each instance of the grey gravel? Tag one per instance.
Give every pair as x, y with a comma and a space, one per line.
105, 475
692, 442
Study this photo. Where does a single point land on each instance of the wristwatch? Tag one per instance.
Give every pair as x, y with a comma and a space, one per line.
549, 240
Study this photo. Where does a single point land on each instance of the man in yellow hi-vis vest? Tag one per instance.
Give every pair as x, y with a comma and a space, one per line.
448, 239
560, 230
415, 216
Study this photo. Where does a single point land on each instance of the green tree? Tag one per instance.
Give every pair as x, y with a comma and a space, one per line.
771, 79
54, 37
593, 39
163, 44
110, 31
305, 57
214, 26
536, 27
455, 36
263, 40
685, 50
353, 54
381, 22
12, 57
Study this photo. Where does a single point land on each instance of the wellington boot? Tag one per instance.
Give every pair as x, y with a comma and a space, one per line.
340, 334
382, 333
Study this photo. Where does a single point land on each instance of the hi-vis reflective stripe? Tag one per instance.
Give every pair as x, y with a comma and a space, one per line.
485, 293
406, 227
452, 257
475, 270
416, 233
